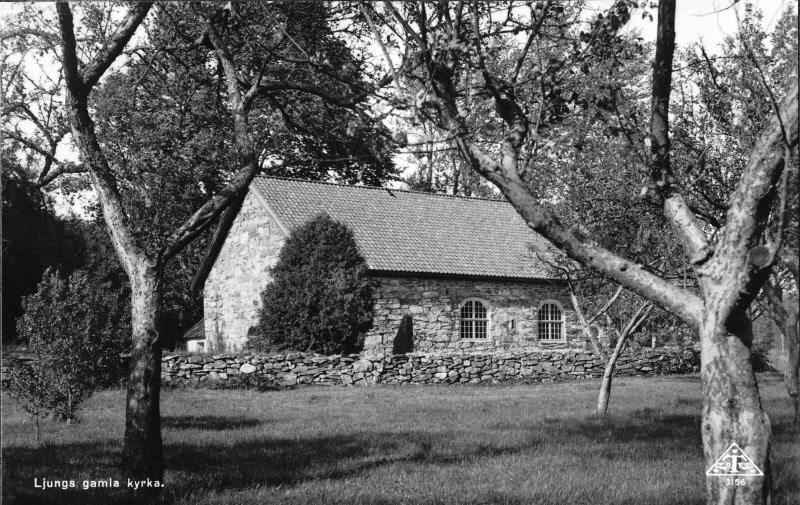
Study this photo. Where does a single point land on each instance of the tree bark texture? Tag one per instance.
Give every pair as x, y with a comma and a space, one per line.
608, 374
634, 323
142, 453
791, 337
732, 410
731, 406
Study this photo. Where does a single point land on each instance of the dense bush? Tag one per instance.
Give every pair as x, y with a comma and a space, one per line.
76, 331
320, 298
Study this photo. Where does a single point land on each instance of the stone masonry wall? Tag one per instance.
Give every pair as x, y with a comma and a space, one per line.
532, 366
232, 298
434, 305
232, 292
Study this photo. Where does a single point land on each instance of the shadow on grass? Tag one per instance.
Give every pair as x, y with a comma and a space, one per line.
214, 465
219, 466
210, 423
286, 462
610, 436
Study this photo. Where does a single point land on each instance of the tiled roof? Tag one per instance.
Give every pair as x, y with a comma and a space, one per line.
196, 332
415, 232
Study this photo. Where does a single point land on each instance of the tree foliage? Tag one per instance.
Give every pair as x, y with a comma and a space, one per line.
320, 298
723, 102
76, 334
564, 64
35, 239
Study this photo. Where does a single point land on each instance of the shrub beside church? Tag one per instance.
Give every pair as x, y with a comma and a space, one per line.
320, 298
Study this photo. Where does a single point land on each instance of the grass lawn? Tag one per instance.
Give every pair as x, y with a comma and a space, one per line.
531, 444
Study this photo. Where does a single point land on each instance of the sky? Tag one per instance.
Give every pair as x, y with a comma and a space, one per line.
707, 21
710, 21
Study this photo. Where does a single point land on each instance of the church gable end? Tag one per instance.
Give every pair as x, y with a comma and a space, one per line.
232, 291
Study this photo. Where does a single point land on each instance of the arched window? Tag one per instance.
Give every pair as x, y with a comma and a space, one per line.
551, 322
474, 320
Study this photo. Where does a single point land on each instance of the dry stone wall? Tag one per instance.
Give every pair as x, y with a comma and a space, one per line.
533, 366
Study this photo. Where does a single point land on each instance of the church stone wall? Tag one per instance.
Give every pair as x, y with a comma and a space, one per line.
435, 304
232, 292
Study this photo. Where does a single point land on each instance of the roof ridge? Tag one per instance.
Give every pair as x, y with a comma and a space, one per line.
403, 233
425, 193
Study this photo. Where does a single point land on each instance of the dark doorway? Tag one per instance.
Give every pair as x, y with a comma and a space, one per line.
404, 340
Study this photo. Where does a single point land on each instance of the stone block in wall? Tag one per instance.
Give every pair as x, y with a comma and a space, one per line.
287, 379
363, 365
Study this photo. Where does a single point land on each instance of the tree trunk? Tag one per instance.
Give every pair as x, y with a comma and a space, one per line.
605, 387
732, 411
792, 339
143, 456
785, 316
456, 175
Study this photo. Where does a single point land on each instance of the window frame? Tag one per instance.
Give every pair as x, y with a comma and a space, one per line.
562, 322
487, 319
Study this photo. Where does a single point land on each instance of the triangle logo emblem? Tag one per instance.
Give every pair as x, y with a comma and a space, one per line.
734, 462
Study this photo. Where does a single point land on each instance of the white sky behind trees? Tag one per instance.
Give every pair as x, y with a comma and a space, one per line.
710, 21
705, 21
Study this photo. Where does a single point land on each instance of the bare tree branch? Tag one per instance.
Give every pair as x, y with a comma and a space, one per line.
680, 302
113, 48
585, 325
22, 32
71, 63
125, 244
677, 211
383, 47
27, 143
638, 318
533, 33
602, 310
737, 253
308, 89
237, 187
46, 178
406, 26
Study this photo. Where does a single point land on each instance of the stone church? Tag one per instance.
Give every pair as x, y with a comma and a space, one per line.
451, 272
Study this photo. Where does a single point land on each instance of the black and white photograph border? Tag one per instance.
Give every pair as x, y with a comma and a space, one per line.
400, 252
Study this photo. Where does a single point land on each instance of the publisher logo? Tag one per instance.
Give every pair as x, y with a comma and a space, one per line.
734, 462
